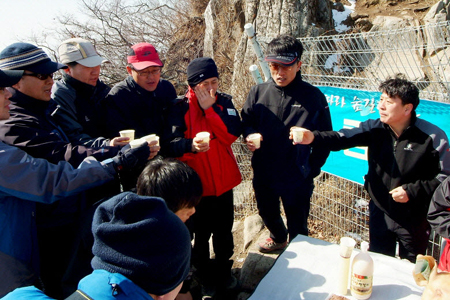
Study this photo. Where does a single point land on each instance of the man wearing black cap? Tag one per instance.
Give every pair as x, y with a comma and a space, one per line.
32, 129
281, 169
25, 181
141, 249
205, 109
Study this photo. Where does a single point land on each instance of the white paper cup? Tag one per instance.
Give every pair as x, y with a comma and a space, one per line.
204, 135
151, 137
346, 246
256, 139
298, 134
135, 143
129, 133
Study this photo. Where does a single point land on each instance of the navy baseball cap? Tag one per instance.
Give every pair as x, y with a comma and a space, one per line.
24, 56
9, 77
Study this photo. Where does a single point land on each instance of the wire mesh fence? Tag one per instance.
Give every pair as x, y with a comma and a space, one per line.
359, 61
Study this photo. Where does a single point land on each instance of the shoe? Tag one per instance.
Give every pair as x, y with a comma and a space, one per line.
208, 292
269, 245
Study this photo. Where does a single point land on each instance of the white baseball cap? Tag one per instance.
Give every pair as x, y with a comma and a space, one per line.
81, 51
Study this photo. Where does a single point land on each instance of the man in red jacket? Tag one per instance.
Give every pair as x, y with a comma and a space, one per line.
205, 109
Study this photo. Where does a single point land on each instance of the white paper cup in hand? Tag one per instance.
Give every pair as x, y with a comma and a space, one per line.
129, 133
150, 138
204, 135
256, 139
136, 143
298, 134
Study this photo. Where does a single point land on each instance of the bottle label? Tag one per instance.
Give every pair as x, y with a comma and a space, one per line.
361, 285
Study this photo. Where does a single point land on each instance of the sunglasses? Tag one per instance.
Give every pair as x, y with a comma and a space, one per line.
39, 76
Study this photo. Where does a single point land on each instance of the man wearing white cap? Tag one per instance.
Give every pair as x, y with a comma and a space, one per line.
78, 94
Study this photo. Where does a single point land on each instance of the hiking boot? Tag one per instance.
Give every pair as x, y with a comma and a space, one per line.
269, 246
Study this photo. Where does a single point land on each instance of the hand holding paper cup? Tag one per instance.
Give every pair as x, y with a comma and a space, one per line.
137, 143
151, 137
256, 139
298, 133
204, 135
129, 133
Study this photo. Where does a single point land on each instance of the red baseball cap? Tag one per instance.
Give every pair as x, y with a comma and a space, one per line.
143, 55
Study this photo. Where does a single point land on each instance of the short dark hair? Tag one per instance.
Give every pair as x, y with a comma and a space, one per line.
174, 181
398, 86
285, 44
72, 64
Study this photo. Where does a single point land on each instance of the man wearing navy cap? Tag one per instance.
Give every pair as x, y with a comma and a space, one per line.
32, 128
25, 181
280, 168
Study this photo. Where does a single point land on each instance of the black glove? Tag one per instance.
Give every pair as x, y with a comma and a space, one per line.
129, 158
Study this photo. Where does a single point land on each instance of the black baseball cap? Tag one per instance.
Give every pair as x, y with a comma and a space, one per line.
285, 59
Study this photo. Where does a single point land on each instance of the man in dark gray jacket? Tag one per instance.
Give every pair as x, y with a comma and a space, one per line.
408, 158
25, 181
79, 93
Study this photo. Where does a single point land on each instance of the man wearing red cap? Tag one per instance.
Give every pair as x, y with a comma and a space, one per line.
138, 101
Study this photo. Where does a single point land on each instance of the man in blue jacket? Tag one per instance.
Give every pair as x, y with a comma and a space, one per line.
141, 249
25, 181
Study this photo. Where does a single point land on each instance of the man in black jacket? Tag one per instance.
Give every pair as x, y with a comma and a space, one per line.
138, 102
79, 93
408, 158
281, 169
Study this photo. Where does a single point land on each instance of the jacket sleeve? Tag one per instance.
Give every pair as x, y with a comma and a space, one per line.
46, 182
247, 114
224, 120
65, 116
50, 145
174, 142
319, 155
422, 190
439, 210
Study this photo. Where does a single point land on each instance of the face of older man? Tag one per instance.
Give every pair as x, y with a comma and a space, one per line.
37, 86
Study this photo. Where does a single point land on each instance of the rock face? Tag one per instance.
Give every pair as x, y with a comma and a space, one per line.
225, 20
269, 18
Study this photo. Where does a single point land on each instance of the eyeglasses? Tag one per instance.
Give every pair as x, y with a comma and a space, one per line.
39, 76
276, 67
148, 73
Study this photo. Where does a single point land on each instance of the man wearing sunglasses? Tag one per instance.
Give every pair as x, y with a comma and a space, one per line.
32, 128
282, 170
26, 181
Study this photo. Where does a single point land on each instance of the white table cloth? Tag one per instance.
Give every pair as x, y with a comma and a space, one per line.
308, 269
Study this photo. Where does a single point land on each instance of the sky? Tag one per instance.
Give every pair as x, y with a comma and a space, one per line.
20, 19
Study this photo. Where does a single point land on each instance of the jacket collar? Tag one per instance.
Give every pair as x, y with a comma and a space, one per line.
27, 102
78, 85
297, 80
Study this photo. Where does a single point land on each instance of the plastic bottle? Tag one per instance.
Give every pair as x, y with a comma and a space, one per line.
345, 252
362, 274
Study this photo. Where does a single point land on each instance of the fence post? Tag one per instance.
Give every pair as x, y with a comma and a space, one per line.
257, 48
255, 73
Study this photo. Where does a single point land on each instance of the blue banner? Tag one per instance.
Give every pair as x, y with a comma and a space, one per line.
349, 107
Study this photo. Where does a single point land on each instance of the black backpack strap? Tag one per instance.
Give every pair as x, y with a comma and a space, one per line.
79, 295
